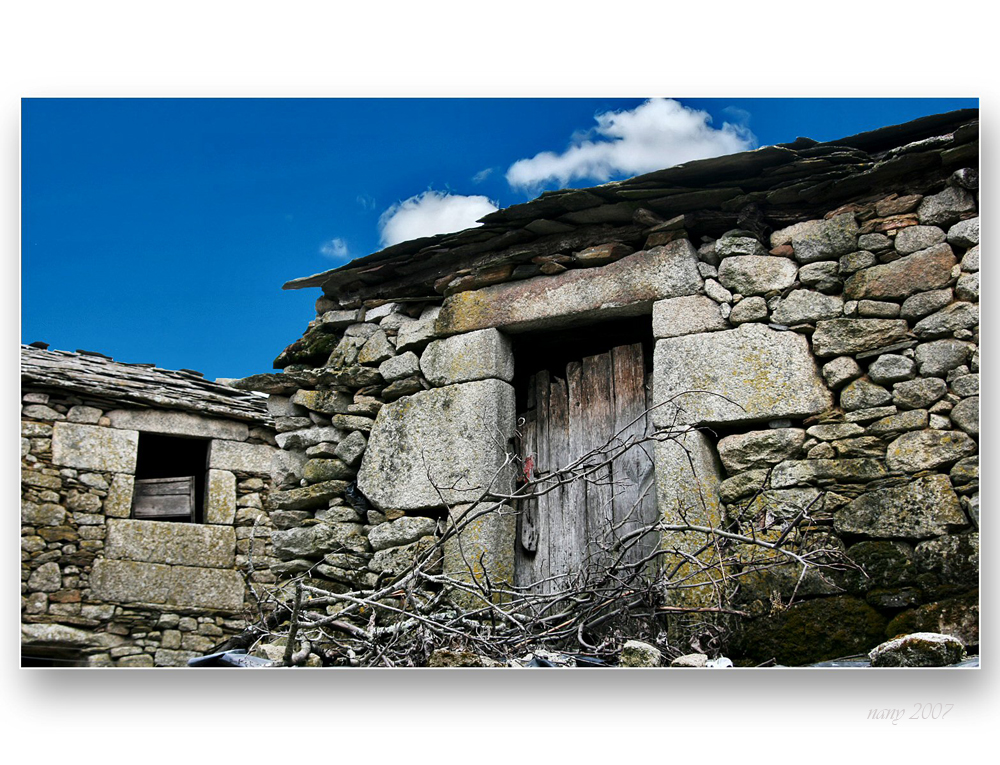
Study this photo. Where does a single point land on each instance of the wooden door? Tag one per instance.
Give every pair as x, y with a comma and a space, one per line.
593, 411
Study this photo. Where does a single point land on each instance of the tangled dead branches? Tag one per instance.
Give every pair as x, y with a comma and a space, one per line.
679, 596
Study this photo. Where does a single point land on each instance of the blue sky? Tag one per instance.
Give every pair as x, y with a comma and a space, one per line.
161, 230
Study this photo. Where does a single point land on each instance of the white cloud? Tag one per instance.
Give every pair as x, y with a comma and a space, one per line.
482, 175
432, 212
335, 248
656, 134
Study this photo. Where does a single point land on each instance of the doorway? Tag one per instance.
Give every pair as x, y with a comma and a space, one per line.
582, 404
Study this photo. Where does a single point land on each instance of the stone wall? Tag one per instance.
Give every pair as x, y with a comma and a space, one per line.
402, 427
101, 589
848, 354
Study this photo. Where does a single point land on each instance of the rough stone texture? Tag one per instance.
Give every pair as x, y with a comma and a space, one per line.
952, 559
45, 514
874, 242
924, 303
61, 635
823, 275
742, 485
918, 394
764, 373
185, 544
46, 578
352, 448
855, 261
749, 309
482, 550
915, 238
687, 315
717, 292
320, 470
282, 406
970, 261
453, 437
920, 649
965, 233
687, 491
91, 447
400, 532
220, 505
946, 208
922, 508
177, 424
825, 239
804, 472
318, 540
954, 317
286, 467
899, 423
927, 449
627, 287
891, 368
338, 319
862, 394
848, 336
635, 653
303, 439
958, 617
307, 497
85, 414
878, 309
966, 415
41, 412
399, 367
835, 431
841, 370
967, 287
481, 355
124, 581
940, 356
928, 269
757, 274
760, 447
376, 350
807, 306
118, 503
814, 630
395, 560
417, 334
247, 458
324, 401
728, 246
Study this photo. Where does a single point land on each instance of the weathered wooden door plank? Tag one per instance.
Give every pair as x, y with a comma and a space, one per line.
574, 505
598, 424
630, 426
560, 556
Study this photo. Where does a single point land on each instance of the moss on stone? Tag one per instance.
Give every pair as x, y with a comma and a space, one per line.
811, 631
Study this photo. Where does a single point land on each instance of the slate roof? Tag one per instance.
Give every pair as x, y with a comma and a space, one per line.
789, 182
101, 379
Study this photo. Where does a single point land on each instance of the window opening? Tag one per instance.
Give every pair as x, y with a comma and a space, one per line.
170, 479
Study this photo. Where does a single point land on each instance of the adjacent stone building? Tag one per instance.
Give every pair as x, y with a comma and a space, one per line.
118, 569
804, 318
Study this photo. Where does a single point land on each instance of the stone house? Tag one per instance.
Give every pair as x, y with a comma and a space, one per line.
781, 346
803, 316
140, 490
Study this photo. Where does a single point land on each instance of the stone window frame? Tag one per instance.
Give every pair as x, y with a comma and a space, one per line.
114, 448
